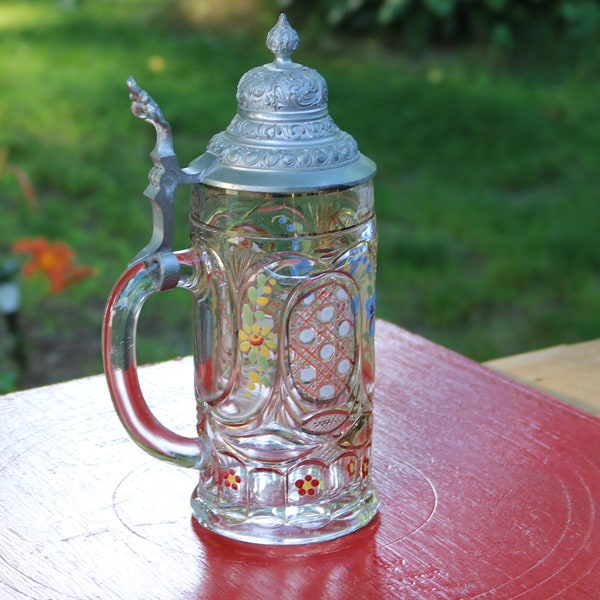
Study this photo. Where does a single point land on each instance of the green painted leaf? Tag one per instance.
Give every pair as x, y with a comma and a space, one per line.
247, 316
262, 362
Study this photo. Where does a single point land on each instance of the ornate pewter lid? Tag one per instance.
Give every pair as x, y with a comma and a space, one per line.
282, 138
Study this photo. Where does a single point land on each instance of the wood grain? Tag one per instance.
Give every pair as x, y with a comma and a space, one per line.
570, 372
489, 489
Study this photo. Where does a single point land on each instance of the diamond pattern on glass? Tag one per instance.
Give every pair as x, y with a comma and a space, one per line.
321, 343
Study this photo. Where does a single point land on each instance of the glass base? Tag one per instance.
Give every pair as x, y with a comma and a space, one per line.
304, 524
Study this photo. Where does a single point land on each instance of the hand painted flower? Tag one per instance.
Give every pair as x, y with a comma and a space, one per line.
370, 309
257, 340
230, 479
308, 485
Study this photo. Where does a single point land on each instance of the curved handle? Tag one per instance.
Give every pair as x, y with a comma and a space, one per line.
119, 352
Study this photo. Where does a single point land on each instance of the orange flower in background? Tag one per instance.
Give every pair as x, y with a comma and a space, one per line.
55, 260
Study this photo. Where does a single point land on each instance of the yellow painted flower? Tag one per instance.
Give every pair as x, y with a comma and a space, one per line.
262, 301
253, 380
258, 339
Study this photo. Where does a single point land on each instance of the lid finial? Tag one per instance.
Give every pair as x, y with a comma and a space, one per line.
282, 40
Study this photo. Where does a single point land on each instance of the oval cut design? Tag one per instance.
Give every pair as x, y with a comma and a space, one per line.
321, 339
325, 421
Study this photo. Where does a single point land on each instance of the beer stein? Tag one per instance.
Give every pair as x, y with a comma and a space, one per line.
281, 270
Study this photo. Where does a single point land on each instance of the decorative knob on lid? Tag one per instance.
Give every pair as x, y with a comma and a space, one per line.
282, 138
282, 40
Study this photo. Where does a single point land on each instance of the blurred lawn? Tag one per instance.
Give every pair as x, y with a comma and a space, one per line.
487, 190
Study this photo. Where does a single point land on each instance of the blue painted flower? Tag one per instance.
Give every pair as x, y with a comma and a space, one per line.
370, 313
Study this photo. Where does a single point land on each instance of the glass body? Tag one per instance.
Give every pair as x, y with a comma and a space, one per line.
284, 297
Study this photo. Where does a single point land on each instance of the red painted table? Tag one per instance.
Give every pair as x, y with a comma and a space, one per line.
489, 489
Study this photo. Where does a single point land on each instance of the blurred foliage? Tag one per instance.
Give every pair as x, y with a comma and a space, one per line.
420, 23
486, 192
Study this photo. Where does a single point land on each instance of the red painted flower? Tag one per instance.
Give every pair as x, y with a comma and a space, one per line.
230, 479
308, 485
365, 467
55, 260
351, 468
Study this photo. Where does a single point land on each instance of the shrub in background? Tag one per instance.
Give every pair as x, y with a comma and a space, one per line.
422, 22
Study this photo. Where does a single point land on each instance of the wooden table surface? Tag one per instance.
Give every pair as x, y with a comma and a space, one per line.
490, 489
570, 372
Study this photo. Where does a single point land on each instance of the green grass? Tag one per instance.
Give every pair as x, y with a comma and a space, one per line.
487, 189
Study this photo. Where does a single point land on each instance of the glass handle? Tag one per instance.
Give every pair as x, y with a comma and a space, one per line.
123, 309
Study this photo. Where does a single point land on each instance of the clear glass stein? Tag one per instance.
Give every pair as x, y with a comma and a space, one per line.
281, 269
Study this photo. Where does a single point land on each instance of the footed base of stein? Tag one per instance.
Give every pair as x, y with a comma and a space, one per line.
290, 525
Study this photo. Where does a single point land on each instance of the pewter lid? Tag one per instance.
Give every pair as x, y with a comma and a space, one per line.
282, 138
